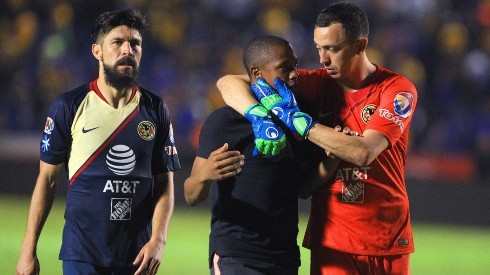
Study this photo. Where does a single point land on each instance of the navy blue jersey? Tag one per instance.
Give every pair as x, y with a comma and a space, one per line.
255, 214
111, 156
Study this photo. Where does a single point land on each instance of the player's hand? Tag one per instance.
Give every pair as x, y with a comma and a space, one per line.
270, 139
286, 109
345, 130
221, 164
149, 257
28, 265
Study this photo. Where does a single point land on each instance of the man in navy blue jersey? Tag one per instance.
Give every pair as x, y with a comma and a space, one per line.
254, 199
116, 141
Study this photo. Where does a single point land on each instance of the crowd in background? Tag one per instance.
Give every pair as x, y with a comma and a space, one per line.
443, 46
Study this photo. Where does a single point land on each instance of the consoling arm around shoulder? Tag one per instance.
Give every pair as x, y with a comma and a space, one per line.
235, 90
220, 164
359, 150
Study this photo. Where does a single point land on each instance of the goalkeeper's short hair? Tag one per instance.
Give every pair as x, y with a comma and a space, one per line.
258, 50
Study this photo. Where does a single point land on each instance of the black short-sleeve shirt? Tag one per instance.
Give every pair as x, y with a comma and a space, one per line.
255, 214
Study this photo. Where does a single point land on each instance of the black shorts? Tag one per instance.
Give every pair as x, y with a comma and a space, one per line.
240, 266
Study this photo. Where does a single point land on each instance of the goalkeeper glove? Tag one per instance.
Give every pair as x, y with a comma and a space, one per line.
270, 139
284, 106
267, 95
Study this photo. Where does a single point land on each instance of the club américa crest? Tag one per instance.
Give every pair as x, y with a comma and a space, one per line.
146, 130
367, 112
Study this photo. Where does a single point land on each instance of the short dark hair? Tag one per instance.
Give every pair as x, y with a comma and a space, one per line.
108, 20
258, 50
353, 19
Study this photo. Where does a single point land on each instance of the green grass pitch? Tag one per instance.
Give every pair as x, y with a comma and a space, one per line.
440, 249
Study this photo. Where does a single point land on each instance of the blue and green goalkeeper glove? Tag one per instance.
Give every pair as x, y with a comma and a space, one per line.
284, 106
270, 139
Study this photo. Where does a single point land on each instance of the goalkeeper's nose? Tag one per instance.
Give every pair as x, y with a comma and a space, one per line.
293, 77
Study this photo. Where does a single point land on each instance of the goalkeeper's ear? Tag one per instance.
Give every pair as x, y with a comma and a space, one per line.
255, 74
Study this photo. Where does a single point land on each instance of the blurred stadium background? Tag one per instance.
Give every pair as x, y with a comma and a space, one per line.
443, 46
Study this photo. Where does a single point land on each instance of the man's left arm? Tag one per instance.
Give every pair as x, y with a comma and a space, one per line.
351, 148
150, 256
387, 125
322, 175
359, 150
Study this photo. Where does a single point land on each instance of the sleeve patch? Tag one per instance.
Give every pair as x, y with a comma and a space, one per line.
49, 125
403, 104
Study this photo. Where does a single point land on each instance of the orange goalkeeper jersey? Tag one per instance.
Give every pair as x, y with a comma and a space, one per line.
366, 210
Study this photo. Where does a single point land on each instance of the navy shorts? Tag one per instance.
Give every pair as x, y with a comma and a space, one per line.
82, 268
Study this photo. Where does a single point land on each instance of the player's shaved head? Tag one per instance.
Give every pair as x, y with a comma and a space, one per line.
259, 51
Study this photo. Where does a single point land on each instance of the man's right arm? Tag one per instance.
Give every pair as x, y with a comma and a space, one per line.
41, 203
221, 164
235, 90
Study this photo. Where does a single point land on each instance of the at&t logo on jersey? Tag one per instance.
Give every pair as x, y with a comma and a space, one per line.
352, 185
121, 160
120, 186
403, 104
